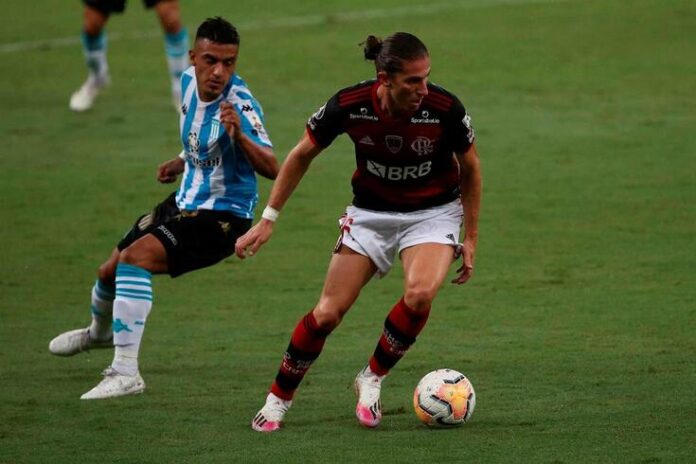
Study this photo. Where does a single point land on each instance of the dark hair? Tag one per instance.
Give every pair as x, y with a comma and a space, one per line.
218, 30
389, 54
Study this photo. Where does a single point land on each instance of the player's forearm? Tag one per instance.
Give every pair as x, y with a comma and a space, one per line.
294, 168
262, 159
470, 171
178, 164
471, 200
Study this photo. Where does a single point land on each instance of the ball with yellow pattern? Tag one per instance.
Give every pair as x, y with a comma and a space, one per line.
444, 397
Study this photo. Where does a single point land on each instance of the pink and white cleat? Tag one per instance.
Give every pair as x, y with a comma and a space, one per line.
369, 408
269, 418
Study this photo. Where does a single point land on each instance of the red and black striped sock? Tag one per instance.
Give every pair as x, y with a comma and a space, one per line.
401, 327
305, 346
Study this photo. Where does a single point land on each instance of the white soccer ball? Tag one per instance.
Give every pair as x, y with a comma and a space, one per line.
444, 397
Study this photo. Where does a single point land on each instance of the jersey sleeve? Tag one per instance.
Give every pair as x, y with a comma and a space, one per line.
252, 119
325, 125
184, 82
460, 130
250, 112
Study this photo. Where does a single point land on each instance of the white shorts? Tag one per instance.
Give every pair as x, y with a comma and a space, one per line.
380, 235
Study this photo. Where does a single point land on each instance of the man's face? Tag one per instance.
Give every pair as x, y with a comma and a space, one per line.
408, 87
214, 65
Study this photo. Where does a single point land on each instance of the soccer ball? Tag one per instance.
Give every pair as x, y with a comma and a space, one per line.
444, 397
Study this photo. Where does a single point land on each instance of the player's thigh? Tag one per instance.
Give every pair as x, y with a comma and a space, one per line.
169, 14
199, 241
426, 266
163, 212
347, 274
147, 252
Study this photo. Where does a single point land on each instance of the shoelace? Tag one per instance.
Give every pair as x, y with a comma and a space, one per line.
109, 372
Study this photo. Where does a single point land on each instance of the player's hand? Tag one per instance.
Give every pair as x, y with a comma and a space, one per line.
466, 250
169, 170
230, 120
249, 243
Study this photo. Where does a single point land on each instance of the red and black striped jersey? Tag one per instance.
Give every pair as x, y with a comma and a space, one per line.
403, 164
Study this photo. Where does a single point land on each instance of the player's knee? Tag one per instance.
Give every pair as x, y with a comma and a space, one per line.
94, 21
107, 272
170, 19
420, 298
327, 318
130, 256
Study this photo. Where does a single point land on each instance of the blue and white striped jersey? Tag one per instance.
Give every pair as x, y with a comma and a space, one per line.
217, 174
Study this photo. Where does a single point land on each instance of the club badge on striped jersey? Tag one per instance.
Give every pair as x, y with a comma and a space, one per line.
214, 129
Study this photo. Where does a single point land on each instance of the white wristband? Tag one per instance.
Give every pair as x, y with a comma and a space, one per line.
270, 213
182, 155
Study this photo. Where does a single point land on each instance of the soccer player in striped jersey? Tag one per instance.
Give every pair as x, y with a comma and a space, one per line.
417, 177
96, 14
224, 145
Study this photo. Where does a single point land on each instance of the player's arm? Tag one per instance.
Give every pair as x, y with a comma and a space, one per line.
168, 171
294, 168
262, 158
470, 185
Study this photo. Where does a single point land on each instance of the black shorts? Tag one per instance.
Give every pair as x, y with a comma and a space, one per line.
193, 239
115, 6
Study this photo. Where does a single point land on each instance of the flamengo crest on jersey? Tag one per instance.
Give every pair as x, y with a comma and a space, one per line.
217, 173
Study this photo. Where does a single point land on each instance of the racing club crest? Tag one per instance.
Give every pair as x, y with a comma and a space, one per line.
214, 129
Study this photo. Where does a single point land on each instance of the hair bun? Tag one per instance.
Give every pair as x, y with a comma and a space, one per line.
372, 46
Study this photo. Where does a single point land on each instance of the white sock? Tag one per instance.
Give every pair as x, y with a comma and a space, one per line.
131, 308
102, 307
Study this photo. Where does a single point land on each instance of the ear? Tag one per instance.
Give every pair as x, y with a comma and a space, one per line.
383, 79
192, 55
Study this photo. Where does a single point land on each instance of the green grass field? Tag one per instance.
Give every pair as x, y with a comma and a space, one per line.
578, 330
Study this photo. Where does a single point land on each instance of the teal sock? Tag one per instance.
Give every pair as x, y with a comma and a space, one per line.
94, 48
176, 47
102, 307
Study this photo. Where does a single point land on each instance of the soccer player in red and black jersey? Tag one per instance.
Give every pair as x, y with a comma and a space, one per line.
417, 182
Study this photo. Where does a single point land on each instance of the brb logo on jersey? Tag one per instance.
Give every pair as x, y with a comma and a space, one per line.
193, 143
399, 172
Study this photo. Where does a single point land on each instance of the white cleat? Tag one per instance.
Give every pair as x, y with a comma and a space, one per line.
115, 384
269, 418
83, 98
76, 341
369, 409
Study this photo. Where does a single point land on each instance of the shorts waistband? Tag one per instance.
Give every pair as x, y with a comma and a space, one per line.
217, 214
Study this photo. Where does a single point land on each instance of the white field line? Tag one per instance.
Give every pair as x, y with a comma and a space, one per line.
290, 22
